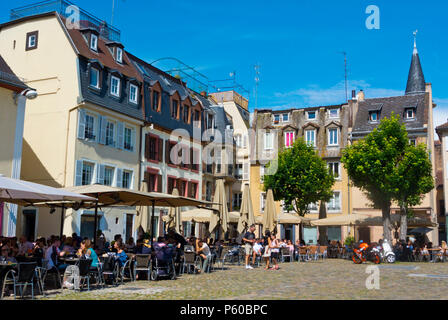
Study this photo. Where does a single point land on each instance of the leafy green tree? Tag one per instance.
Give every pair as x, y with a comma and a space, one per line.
385, 167
301, 178
412, 180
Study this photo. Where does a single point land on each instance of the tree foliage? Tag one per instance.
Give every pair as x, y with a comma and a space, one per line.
301, 178
387, 168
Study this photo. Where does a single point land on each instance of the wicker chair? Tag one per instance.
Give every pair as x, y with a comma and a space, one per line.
322, 252
313, 253
142, 263
303, 254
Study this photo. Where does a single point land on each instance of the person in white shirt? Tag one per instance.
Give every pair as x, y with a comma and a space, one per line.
52, 254
258, 247
25, 246
204, 251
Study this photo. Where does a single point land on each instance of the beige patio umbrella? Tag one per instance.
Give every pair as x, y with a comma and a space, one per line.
174, 220
343, 220
203, 216
246, 212
270, 215
219, 205
142, 218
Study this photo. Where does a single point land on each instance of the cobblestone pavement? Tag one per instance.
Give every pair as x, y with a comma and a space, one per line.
328, 279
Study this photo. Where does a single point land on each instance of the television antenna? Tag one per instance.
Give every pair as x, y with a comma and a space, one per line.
257, 81
345, 75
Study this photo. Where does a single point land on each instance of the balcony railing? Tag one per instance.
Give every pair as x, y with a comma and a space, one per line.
87, 20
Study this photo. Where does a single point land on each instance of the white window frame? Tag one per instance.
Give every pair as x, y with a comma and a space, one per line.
114, 132
95, 126
312, 209
119, 56
112, 78
135, 100
377, 116
268, 137
94, 165
308, 115
97, 85
131, 182
32, 44
333, 117
314, 135
406, 113
133, 137
329, 136
279, 117
94, 42
114, 169
413, 139
332, 201
293, 138
331, 168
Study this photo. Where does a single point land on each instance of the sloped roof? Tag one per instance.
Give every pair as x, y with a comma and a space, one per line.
391, 105
8, 77
416, 79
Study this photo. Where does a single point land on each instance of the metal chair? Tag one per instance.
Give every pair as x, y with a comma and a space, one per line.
222, 257
142, 263
24, 276
110, 268
285, 253
84, 272
128, 266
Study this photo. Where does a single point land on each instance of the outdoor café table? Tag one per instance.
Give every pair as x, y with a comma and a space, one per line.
69, 260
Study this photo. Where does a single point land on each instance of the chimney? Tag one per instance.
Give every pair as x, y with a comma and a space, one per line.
353, 94
204, 93
361, 95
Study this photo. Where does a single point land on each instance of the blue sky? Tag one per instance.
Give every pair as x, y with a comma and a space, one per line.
297, 44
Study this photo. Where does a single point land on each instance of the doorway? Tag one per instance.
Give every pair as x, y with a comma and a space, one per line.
364, 234
29, 223
129, 226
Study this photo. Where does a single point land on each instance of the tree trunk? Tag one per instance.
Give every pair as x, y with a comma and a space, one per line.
323, 238
387, 234
403, 223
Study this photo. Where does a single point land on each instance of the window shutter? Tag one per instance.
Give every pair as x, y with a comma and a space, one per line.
119, 177
120, 135
191, 166
81, 124
167, 151
147, 140
100, 168
102, 124
160, 146
132, 139
78, 173
246, 171
190, 191
159, 183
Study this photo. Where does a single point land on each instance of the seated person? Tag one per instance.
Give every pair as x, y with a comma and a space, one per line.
130, 245
39, 248
120, 256
52, 254
87, 252
5, 255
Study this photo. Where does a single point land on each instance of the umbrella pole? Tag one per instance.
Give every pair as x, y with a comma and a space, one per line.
95, 226
152, 222
61, 233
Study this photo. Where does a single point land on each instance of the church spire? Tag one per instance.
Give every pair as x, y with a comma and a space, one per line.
416, 79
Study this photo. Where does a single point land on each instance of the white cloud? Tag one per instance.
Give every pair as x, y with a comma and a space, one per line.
315, 95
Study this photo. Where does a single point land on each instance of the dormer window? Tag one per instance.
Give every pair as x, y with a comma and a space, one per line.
374, 116
311, 115
276, 118
94, 42
133, 90
94, 78
409, 113
115, 86
119, 56
333, 113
